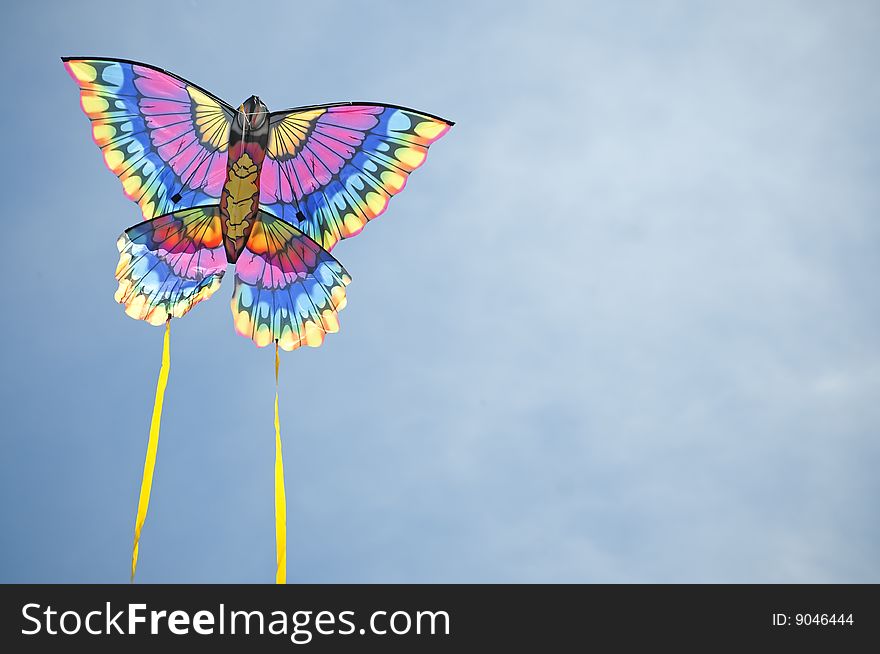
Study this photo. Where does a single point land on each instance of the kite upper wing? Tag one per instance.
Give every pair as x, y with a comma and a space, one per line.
165, 138
331, 168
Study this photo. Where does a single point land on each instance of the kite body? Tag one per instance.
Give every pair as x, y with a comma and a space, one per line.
240, 198
271, 193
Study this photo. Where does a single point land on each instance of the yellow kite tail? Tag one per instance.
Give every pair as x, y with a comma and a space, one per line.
152, 445
280, 499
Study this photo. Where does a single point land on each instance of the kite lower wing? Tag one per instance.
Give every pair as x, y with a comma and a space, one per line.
169, 264
287, 288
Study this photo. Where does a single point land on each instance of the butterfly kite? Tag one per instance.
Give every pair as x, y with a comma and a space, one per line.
269, 192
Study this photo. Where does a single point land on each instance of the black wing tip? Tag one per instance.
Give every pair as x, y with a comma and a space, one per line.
87, 58
351, 102
119, 60
274, 113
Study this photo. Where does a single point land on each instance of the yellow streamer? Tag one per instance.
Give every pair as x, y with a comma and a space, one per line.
152, 446
280, 499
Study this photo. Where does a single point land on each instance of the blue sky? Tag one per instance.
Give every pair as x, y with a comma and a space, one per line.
621, 327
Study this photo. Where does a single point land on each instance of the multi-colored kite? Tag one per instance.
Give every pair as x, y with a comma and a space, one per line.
270, 193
